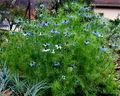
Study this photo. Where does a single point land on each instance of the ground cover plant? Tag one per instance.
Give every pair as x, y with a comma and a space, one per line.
69, 50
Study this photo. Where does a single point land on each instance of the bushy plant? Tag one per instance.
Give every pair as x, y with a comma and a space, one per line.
69, 50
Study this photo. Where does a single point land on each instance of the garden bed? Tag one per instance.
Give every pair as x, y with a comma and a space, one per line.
72, 50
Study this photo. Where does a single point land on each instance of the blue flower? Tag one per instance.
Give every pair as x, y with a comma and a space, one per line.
65, 22
84, 8
49, 22
103, 24
91, 21
37, 42
57, 32
76, 81
67, 34
46, 24
80, 14
43, 23
102, 49
56, 63
56, 24
72, 65
24, 34
89, 39
86, 42
98, 17
87, 16
88, 27
95, 33
32, 64
16, 21
29, 34
13, 33
32, 35
114, 45
40, 26
21, 21
52, 31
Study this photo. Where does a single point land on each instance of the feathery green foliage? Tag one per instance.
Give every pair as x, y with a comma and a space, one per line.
69, 50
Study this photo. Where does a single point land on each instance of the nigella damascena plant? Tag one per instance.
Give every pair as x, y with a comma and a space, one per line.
98, 17
56, 64
87, 16
114, 45
32, 64
65, 22
45, 50
24, 34
92, 21
88, 27
53, 51
75, 80
67, 34
52, 31
73, 3
63, 77
84, 8
16, 39
56, 24
13, 33
46, 44
28, 34
37, 42
102, 49
97, 34
56, 32
40, 26
80, 14
40, 15
42, 5
45, 23
89, 39
18, 21
72, 44
103, 23
58, 47
40, 34
86, 42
